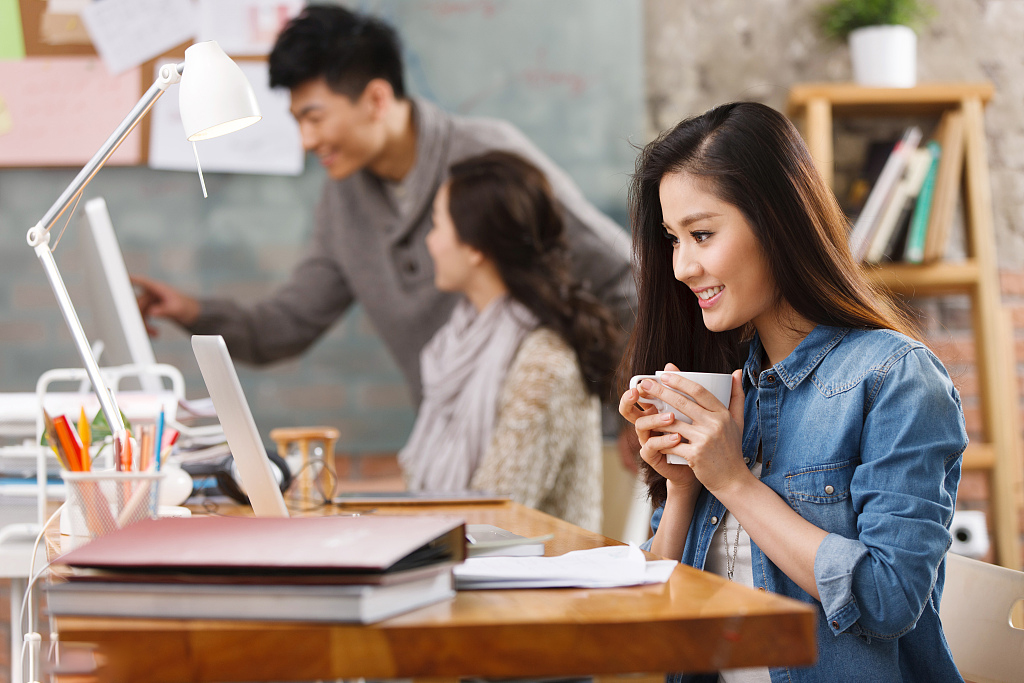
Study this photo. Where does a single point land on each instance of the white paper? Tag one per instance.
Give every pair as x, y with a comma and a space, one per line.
66, 6
127, 33
607, 567
271, 146
245, 27
199, 407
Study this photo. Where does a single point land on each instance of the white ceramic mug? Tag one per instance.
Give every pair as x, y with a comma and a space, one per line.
719, 384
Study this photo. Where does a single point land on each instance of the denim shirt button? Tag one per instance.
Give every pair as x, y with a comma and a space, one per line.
835, 624
746, 461
829, 489
714, 520
770, 378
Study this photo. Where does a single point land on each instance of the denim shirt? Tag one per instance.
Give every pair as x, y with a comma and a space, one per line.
861, 433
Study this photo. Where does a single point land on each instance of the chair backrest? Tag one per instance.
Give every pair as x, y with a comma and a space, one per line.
977, 602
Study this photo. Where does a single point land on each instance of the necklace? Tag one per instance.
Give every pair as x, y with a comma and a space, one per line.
730, 562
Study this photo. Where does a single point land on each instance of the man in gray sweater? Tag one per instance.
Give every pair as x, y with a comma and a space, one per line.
386, 155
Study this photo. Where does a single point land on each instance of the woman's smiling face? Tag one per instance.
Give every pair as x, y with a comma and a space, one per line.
716, 255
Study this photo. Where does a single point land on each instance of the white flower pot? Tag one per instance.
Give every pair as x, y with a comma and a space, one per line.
884, 56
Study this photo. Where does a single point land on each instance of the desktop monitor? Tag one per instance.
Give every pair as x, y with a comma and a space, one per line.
115, 320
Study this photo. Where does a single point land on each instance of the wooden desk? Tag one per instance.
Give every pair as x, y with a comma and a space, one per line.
694, 622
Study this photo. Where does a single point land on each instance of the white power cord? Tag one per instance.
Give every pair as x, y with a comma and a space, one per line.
33, 640
30, 652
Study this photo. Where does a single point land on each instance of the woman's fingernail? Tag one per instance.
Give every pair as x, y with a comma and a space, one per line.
667, 417
647, 384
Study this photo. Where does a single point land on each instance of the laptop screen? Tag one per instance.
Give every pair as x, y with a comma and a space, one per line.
239, 427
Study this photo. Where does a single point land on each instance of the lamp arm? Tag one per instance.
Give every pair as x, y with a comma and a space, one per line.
106, 399
169, 75
39, 239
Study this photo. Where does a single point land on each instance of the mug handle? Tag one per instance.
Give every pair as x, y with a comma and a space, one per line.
635, 380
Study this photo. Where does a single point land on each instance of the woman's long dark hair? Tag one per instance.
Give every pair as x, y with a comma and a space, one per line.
750, 156
502, 206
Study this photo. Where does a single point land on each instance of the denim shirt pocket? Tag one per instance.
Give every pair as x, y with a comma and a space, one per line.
821, 495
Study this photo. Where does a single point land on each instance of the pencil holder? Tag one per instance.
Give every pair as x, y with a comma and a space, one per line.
100, 502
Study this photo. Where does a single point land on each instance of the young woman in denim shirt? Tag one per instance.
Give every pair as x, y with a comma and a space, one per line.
831, 478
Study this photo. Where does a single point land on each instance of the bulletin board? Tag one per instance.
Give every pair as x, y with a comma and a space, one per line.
60, 103
569, 74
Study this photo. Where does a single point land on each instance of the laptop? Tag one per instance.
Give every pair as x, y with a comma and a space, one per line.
243, 437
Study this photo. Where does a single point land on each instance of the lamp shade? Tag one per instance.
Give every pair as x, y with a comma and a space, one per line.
214, 96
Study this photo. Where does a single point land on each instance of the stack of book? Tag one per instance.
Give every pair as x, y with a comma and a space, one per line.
909, 210
344, 569
487, 540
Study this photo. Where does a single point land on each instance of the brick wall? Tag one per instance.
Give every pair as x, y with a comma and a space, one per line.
1012, 283
947, 327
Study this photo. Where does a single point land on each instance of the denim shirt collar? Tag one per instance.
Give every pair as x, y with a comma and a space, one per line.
795, 367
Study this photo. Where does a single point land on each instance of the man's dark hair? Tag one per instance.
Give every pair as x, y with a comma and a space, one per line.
346, 49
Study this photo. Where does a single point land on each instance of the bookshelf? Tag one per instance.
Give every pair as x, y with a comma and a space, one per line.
998, 453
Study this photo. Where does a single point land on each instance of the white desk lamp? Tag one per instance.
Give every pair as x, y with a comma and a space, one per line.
214, 99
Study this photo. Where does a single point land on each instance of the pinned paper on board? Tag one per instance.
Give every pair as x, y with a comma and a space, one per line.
127, 33
67, 6
61, 23
245, 27
271, 147
12, 41
61, 109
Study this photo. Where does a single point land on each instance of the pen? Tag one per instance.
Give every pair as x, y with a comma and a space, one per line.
85, 434
159, 437
126, 453
51, 437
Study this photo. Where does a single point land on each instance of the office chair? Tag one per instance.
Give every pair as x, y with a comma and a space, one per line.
982, 616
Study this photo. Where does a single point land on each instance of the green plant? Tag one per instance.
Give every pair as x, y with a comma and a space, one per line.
99, 428
839, 17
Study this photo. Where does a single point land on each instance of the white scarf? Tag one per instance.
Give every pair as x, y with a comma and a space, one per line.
463, 369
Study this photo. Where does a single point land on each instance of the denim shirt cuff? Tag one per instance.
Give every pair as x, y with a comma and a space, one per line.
834, 563
646, 545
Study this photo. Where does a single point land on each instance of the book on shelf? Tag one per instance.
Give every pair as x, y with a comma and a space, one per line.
898, 241
487, 540
877, 153
870, 216
362, 568
918, 229
904, 198
950, 135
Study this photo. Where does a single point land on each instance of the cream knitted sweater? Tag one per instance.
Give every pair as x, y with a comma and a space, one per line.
546, 448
